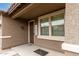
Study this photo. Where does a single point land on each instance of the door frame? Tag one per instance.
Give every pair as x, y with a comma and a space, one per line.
29, 29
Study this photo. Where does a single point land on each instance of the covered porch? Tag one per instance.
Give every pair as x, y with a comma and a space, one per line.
30, 15
21, 23
46, 25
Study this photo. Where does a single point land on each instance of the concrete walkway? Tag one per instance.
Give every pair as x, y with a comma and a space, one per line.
27, 50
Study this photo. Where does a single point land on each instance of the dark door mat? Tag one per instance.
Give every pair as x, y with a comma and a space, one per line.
41, 52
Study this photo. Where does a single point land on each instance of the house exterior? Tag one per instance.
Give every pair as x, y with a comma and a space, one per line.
51, 25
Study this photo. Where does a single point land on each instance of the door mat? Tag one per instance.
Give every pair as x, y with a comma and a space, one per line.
41, 52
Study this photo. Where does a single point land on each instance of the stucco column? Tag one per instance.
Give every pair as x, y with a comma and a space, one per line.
71, 29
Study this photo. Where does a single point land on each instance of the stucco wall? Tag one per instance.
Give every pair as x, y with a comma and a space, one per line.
15, 29
69, 53
50, 44
72, 23
72, 26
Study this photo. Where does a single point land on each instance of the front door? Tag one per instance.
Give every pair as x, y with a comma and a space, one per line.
31, 32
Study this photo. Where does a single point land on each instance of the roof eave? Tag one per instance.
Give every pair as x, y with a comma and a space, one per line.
13, 7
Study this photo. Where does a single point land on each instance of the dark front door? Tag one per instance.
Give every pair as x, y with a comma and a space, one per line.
31, 32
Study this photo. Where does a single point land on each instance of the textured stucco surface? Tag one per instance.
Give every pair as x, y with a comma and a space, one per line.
13, 28
72, 26
72, 23
50, 44
69, 53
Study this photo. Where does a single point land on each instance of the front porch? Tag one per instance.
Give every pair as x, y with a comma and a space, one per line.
46, 25
27, 50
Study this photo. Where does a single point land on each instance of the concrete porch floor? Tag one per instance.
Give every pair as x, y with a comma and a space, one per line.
27, 50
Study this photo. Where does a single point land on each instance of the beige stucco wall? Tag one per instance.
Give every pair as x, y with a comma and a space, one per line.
72, 25
50, 44
69, 53
13, 28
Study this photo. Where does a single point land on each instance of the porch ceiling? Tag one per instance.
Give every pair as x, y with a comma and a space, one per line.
38, 9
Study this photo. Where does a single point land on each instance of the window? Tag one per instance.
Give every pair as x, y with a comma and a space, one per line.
57, 22
44, 26
52, 24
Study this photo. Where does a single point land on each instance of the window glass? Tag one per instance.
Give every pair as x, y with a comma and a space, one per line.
44, 26
57, 24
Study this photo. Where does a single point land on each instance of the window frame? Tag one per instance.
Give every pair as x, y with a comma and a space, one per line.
50, 34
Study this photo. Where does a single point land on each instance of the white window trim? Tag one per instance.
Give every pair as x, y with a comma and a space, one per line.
50, 37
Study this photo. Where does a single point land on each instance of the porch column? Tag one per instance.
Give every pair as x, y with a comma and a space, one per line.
71, 44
